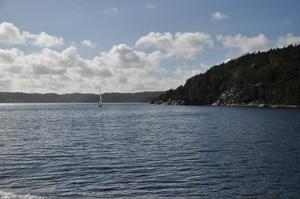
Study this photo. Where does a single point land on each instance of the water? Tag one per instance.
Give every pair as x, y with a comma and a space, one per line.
148, 151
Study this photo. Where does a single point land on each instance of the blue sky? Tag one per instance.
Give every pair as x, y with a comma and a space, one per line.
126, 46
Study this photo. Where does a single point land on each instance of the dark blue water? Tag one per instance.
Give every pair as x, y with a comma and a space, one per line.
148, 151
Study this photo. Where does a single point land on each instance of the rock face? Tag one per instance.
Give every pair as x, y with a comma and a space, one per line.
170, 102
269, 78
241, 97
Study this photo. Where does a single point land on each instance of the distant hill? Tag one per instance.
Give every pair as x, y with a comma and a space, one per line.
18, 97
269, 78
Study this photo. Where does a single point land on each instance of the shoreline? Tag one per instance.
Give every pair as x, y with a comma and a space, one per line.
254, 105
250, 105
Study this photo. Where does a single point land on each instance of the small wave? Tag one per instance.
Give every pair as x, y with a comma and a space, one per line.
9, 195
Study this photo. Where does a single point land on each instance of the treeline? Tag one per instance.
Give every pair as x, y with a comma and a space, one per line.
19, 97
267, 78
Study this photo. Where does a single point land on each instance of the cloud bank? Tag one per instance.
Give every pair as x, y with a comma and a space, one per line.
119, 69
122, 68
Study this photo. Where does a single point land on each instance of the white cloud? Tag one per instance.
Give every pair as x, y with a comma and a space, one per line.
88, 43
50, 71
10, 34
122, 56
119, 69
185, 45
218, 16
45, 70
45, 40
112, 10
244, 43
287, 40
9, 55
187, 73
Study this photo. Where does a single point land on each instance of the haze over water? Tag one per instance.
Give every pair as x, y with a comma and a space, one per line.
148, 151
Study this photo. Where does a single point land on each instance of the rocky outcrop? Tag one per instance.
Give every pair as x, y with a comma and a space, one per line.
170, 102
247, 96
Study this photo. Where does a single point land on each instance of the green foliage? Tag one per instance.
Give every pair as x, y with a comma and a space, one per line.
271, 77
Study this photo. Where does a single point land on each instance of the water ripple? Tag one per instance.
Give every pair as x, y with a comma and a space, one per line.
146, 151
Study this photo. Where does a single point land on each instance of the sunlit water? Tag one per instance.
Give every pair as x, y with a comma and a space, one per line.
148, 151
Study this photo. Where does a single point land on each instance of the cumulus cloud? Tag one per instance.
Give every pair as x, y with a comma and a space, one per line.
88, 43
119, 69
10, 34
122, 56
9, 55
288, 40
244, 43
45, 40
46, 70
218, 16
49, 70
122, 68
184, 45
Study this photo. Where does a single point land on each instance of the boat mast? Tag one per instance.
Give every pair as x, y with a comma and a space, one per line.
100, 99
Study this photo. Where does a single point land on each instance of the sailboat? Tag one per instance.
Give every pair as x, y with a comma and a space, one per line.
100, 100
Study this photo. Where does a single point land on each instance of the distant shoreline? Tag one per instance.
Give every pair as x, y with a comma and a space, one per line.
10, 103
195, 105
20, 97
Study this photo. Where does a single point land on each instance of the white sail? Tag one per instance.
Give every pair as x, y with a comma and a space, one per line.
100, 100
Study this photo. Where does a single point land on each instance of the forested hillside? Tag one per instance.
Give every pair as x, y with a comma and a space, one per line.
260, 79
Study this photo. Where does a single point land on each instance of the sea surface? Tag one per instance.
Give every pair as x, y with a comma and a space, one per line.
148, 151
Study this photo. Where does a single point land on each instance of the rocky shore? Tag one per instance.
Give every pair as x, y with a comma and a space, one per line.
231, 97
251, 104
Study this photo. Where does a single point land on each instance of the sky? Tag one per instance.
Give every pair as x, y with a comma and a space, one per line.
67, 46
